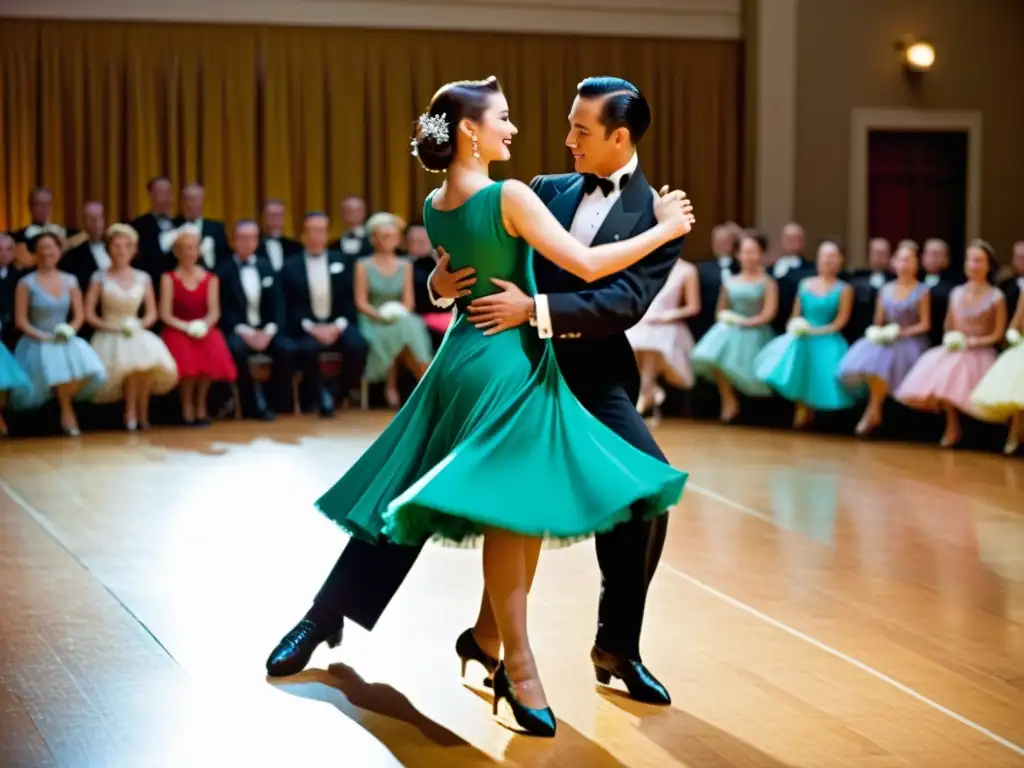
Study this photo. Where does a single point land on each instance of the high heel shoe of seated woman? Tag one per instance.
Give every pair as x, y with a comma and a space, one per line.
532, 722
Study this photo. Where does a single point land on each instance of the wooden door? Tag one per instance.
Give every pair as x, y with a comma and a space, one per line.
917, 187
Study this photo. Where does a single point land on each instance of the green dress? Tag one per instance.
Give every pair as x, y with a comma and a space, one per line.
387, 340
492, 436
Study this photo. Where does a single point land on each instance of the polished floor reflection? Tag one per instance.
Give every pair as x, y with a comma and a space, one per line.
821, 602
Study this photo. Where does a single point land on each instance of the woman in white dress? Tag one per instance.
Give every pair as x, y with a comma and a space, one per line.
137, 361
662, 341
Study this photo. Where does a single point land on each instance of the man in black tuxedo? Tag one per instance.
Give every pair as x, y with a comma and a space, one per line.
354, 242
866, 284
40, 205
788, 270
213, 240
712, 274
10, 274
274, 246
607, 199
941, 280
156, 231
84, 260
252, 316
1013, 286
320, 312
421, 253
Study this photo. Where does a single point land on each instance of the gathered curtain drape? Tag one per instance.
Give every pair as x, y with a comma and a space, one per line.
93, 110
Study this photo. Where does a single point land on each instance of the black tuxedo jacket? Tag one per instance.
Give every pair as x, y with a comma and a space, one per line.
233, 303
789, 286
865, 296
939, 297
353, 244
589, 320
1011, 290
709, 273
289, 248
295, 285
214, 230
79, 262
150, 257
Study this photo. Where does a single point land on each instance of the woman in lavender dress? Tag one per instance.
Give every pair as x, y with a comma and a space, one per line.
899, 336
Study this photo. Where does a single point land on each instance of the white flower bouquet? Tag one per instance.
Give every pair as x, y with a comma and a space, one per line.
1013, 337
64, 332
197, 329
883, 335
798, 326
954, 340
728, 317
129, 326
390, 311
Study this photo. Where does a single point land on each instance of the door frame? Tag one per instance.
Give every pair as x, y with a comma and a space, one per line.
863, 120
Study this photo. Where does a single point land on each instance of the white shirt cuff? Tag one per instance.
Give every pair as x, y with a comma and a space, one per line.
442, 303
544, 329
307, 325
342, 323
270, 329
242, 328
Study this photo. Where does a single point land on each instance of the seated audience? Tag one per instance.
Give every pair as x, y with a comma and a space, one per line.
320, 313
384, 297
662, 340
801, 365
252, 316
944, 377
899, 336
788, 269
138, 363
156, 228
189, 310
999, 396
40, 205
274, 246
746, 306
84, 260
421, 253
941, 279
354, 241
866, 284
213, 237
713, 273
48, 311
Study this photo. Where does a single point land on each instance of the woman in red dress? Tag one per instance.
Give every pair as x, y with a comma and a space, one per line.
190, 309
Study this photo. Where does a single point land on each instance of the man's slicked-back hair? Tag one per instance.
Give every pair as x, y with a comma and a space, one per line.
624, 105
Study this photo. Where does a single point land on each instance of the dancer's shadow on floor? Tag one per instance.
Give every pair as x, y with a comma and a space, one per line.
691, 741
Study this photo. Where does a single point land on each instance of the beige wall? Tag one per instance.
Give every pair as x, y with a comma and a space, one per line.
845, 59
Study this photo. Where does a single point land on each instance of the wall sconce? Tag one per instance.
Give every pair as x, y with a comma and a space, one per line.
917, 55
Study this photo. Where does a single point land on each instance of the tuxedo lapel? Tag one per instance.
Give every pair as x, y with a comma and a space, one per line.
565, 203
619, 223
236, 284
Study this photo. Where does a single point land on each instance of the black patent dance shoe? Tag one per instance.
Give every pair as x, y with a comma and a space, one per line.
469, 650
533, 722
641, 684
292, 654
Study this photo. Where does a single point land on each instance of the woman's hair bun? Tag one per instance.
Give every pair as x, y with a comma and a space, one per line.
434, 142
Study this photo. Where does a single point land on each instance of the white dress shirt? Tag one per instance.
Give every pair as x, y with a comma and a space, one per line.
590, 215
931, 280
275, 252
318, 274
252, 286
100, 255
785, 264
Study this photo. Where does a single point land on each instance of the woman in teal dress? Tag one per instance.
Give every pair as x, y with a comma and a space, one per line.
384, 297
802, 365
746, 307
492, 442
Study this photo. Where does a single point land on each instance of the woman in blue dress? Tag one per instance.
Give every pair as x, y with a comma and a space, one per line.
56, 360
802, 365
746, 307
11, 378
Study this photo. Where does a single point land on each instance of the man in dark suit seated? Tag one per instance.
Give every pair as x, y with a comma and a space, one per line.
252, 317
712, 274
941, 279
421, 254
866, 284
213, 240
320, 312
10, 274
156, 231
274, 246
40, 204
354, 242
84, 260
1013, 286
789, 270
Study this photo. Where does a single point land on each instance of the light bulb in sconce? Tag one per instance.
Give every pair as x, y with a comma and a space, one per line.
919, 56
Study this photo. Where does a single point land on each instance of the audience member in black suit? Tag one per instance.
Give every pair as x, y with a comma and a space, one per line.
10, 274
213, 242
84, 260
421, 253
725, 242
941, 280
1013, 286
320, 312
40, 205
788, 270
252, 318
156, 231
354, 241
274, 246
866, 284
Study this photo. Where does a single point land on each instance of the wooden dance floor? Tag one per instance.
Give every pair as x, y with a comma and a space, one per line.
821, 602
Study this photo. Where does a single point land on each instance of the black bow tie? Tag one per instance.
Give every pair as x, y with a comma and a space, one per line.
250, 262
592, 182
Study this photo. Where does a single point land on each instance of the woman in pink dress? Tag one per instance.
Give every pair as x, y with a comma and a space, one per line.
662, 341
945, 376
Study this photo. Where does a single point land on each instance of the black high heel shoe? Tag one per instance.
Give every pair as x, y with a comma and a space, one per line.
534, 722
469, 650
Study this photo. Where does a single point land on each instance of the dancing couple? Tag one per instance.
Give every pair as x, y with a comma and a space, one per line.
510, 437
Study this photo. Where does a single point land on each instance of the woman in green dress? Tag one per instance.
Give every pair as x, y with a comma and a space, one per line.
492, 442
384, 297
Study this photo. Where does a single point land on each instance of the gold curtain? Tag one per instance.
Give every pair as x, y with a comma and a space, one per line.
310, 115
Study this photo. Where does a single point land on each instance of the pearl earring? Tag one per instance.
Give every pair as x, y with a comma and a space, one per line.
476, 148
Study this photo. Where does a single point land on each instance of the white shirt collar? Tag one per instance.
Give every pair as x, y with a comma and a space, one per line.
629, 168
